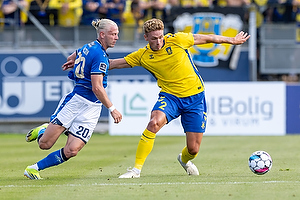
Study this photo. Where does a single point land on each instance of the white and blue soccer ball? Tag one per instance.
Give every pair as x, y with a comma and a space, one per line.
260, 162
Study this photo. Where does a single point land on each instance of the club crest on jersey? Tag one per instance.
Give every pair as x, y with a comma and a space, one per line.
102, 67
169, 50
151, 56
208, 55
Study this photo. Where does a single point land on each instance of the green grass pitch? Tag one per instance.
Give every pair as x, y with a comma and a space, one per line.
93, 173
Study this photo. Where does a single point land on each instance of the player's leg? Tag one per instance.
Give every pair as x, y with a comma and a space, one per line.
193, 141
46, 139
163, 112
34, 133
72, 147
80, 117
49, 136
46, 135
79, 134
55, 128
189, 152
193, 120
81, 128
145, 145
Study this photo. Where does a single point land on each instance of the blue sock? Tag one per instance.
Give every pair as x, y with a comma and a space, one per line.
40, 134
53, 159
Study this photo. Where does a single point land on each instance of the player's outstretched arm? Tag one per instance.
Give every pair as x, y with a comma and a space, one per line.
118, 63
240, 38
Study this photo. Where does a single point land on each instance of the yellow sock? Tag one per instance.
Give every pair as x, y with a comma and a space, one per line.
186, 156
144, 148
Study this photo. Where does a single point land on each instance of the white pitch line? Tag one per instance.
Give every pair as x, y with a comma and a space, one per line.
139, 184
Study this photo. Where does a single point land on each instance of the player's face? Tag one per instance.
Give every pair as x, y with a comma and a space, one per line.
112, 36
155, 39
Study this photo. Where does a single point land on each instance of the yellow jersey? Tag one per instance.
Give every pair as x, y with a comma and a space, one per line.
172, 65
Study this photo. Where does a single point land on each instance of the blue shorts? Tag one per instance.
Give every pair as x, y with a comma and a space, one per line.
192, 110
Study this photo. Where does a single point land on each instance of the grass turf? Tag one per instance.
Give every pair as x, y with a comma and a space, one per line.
93, 173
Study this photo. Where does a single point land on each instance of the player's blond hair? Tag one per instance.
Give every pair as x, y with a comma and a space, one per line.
153, 25
102, 25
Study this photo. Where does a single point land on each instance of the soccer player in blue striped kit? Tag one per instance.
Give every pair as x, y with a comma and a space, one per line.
78, 112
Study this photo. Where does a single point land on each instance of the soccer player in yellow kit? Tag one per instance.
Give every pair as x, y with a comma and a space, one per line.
168, 58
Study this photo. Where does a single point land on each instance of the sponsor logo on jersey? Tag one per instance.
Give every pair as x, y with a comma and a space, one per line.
102, 67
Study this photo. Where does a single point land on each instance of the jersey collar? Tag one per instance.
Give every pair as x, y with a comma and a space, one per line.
161, 47
102, 47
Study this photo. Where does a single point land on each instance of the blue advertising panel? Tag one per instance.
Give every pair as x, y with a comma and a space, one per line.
31, 85
293, 109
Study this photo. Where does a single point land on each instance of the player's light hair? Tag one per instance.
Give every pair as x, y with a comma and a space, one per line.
103, 25
153, 25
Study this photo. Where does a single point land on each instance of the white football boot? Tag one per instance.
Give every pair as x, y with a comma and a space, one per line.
131, 173
189, 167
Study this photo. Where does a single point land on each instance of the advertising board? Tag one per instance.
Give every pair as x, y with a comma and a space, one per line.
234, 108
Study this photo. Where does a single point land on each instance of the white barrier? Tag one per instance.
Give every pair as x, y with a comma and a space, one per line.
234, 108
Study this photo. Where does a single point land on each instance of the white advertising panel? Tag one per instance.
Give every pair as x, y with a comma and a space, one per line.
246, 108
234, 108
135, 101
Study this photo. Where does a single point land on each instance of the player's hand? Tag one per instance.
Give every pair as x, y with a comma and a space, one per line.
67, 65
116, 115
240, 38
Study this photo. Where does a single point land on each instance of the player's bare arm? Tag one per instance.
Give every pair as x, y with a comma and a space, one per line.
118, 63
240, 38
70, 62
99, 91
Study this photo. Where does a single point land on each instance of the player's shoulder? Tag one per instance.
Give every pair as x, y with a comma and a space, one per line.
89, 45
179, 36
93, 49
95, 45
138, 53
143, 49
92, 44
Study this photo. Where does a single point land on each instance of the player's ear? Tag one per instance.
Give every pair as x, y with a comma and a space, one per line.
146, 37
101, 34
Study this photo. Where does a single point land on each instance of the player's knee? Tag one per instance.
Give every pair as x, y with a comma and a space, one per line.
45, 145
153, 126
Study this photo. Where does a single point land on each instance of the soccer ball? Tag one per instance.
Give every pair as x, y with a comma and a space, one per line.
260, 162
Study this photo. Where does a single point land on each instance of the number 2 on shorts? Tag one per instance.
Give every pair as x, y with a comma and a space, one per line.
163, 103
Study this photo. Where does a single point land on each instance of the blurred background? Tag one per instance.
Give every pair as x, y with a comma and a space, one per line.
36, 36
